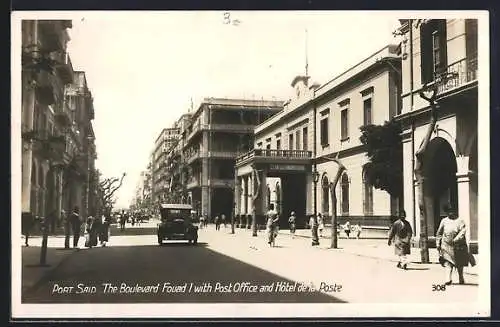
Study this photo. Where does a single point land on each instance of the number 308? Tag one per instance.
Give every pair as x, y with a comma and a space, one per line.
438, 287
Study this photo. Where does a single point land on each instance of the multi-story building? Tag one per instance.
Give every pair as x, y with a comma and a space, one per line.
293, 149
177, 169
220, 130
54, 156
440, 57
164, 142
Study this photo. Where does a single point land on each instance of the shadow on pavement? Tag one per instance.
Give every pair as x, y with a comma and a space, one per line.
201, 274
182, 244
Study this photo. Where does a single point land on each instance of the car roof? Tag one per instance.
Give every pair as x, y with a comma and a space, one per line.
175, 206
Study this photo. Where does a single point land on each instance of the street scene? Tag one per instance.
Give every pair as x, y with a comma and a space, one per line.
201, 157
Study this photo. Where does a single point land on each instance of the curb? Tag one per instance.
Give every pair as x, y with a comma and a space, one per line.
45, 277
369, 256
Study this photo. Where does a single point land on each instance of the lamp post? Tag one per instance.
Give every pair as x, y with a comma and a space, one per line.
315, 238
429, 94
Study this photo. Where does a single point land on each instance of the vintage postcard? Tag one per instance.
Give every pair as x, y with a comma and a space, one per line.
250, 164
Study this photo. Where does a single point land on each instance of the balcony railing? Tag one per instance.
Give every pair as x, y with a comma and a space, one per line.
192, 183
63, 66
217, 182
269, 153
192, 156
458, 74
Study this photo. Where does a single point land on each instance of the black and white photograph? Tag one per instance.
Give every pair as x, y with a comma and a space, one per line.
250, 164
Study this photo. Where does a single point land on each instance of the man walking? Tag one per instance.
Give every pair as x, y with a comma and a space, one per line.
401, 234
75, 225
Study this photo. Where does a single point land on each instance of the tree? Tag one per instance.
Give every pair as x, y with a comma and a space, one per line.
106, 189
384, 169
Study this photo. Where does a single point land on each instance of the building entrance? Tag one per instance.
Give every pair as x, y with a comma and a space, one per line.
288, 192
440, 187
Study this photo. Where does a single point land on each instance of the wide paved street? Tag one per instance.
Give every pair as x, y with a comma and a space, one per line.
237, 268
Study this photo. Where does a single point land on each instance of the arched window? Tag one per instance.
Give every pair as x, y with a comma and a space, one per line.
367, 195
325, 206
344, 185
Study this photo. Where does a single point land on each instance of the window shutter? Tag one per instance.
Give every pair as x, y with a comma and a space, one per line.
441, 29
426, 69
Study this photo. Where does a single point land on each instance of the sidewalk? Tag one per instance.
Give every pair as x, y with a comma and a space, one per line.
31, 271
372, 244
367, 272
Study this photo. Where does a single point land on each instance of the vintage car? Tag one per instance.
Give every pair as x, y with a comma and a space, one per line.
177, 223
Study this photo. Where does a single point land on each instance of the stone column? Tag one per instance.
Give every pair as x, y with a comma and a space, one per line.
463, 185
249, 200
237, 198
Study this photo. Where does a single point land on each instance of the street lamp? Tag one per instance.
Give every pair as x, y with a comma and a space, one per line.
315, 238
428, 93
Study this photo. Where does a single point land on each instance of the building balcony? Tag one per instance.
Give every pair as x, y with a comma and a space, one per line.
63, 66
62, 114
275, 156
192, 156
192, 183
45, 88
458, 74
235, 128
217, 182
222, 154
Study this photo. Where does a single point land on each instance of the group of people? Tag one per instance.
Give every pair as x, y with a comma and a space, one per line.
97, 231
451, 244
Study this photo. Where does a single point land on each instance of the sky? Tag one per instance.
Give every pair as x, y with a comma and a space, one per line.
143, 68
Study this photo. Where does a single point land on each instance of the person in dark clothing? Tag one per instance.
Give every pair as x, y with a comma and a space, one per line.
104, 233
401, 234
217, 223
28, 222
75, 225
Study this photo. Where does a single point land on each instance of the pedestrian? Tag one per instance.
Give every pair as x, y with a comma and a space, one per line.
104, 232
206, 220
217, 223
291, 222
357, 230
401, 233
202, 222
122, 222
347, 229
223, 219
272, 225
452, 245
27, 224
320, 224
90, 232
76, 225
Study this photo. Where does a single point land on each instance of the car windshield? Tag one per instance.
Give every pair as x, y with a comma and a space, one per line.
172, 214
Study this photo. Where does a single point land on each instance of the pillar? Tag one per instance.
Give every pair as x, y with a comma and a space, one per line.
237, 199
27, 115
463, 185
205, 198
249, 200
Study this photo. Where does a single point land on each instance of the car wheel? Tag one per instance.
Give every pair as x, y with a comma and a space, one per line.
190, 241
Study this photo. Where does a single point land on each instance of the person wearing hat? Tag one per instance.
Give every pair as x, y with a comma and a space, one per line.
452, 246
291, 223
400, 234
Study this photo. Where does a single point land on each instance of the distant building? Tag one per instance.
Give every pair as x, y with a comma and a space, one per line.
164, 142
219, 131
